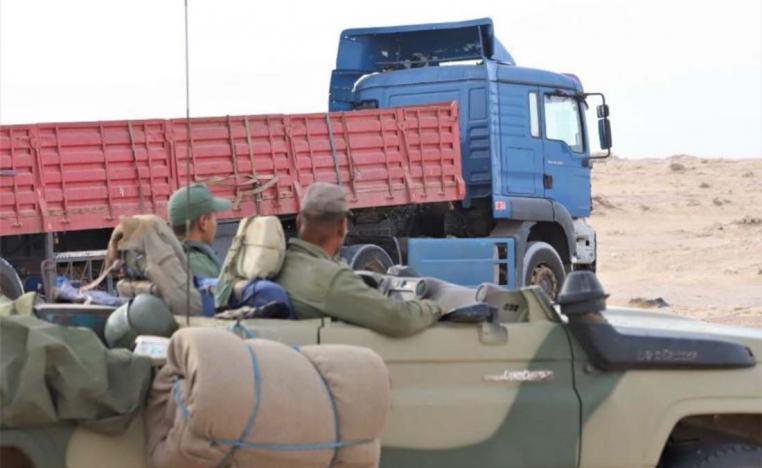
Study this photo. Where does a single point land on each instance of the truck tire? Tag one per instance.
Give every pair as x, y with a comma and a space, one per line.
543, 267
728, 455
368, 257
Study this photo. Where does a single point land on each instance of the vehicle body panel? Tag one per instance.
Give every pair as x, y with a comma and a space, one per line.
73, 176
521, 155
500, 156
464, 84
467, 262
568, 171
632, 413
445, 413
88, 449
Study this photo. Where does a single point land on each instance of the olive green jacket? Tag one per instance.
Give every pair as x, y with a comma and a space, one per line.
203, 260
320, 286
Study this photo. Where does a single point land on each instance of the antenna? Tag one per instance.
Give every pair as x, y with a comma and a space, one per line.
187, 169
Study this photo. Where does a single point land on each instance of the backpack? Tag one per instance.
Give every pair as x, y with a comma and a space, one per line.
257, 252
147, 248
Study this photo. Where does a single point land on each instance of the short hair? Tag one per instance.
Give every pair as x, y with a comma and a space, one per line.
319, 227
323, 217
180, 228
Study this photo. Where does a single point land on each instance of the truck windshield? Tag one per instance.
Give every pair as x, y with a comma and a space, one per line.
562, 121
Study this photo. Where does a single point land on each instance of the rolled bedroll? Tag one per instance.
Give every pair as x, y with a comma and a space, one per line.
220, 400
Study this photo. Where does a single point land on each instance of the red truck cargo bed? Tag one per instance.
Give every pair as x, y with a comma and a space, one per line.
72, 176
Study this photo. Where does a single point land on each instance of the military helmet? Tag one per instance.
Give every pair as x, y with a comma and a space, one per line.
145, 314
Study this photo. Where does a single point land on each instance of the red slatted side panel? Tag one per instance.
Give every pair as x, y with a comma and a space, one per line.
82, 175
86, 175
19, 201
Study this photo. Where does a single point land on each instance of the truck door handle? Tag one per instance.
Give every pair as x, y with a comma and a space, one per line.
547, 181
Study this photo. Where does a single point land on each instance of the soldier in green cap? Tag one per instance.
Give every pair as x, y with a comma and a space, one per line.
197, 204
319, 285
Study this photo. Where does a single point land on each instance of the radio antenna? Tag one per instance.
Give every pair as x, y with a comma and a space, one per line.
187, 169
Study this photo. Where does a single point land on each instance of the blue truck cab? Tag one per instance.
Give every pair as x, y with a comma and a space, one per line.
524, 143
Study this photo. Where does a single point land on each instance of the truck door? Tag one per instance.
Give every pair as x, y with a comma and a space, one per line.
566, 175
521, 147
459, 400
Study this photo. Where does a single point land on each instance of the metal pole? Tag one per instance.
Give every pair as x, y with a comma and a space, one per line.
49, 246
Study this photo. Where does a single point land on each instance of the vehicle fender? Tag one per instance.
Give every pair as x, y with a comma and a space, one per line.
542, 209
694, 407
628, 416
531, 211
563, 218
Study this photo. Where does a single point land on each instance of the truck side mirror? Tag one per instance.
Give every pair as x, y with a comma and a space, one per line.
604, 133
603, 111
604, 126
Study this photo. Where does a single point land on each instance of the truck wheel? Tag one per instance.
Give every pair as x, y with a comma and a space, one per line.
543, 267
368, 257
718, 456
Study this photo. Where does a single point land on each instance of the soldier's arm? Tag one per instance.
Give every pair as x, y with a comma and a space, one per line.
351, 300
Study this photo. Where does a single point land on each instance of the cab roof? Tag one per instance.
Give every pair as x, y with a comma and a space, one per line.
505, 73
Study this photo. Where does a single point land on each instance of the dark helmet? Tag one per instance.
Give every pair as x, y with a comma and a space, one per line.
145, 314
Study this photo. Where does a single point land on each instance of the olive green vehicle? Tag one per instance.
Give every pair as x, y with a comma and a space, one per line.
541, 386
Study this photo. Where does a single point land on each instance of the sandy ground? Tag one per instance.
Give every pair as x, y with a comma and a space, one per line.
684, 230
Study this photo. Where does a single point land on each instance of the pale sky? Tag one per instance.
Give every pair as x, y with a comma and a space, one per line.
680, 76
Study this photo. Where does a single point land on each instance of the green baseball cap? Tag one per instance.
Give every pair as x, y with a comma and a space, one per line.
192, 201
323, 197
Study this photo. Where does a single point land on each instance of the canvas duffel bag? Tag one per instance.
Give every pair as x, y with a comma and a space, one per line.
149, 247
220, 400
256, 252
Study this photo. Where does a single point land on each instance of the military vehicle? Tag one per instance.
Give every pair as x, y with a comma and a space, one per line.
540, 385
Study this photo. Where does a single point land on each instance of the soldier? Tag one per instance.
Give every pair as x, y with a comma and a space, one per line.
319, 285
196, 203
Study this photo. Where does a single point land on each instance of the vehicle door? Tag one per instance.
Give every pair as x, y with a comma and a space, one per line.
463, 396
566, 174
520, 144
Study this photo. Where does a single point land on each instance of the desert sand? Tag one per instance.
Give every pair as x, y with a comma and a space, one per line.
682, 235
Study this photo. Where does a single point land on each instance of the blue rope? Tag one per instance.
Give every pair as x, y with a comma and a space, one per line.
179, 399
291, 447
253, 416
247, 332
337, 440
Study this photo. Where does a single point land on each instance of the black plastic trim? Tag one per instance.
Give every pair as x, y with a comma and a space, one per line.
542, 209
531, 209
561, 216
612, 350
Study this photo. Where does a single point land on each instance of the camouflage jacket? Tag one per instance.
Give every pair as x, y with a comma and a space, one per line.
320, 286
203, 260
